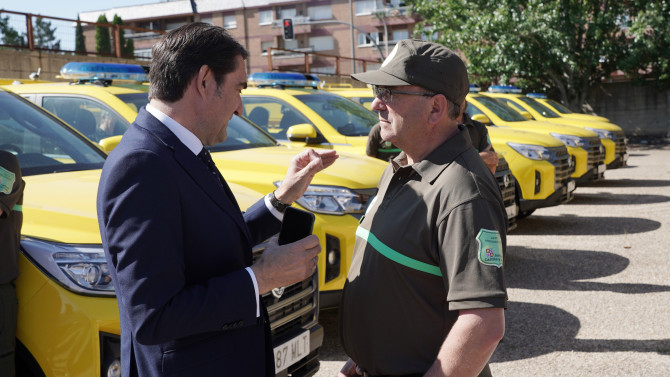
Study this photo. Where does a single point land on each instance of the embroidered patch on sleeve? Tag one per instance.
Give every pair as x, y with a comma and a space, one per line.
490, 248
6, 181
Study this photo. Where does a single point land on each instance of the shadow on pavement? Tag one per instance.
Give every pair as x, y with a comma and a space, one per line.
535, 329
602, 198
573, 225
629, 183
551, 269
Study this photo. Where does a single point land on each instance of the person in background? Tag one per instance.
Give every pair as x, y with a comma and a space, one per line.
378, 148
177, 245
425, 294
479, 135
11, 220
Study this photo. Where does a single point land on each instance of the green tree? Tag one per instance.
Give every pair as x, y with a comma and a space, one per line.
127, 45
44, 35
79, 38
649, 35
103, 44
564, 47
9, 35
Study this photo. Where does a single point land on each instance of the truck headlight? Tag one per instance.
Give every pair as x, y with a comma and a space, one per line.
533, 152
603, 134
332, 200
79, 268
570, 140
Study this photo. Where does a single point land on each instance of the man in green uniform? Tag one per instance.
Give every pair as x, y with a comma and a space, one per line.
11, 218
378, 148
479, 136
425, 294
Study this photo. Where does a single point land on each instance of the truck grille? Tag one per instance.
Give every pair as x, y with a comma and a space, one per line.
297, 306
596, 152
507, 185
505, 182
560, 158
620, 141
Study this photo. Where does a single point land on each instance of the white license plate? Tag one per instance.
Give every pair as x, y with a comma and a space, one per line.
571, 186
511, 211
291, 352
601, 168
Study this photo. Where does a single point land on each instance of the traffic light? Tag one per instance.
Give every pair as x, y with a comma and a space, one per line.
288, 29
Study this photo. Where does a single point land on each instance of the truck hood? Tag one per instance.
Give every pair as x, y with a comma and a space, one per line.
548, 127
259, 168
500, 135
61, 207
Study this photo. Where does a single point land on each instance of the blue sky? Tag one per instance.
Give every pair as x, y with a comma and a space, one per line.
67, 8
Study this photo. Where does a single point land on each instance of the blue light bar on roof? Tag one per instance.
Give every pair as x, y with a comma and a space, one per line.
475, 88
536, 95
283, 80
504, 89
115, 71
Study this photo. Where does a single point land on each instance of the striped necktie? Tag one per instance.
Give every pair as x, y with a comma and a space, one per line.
206, 158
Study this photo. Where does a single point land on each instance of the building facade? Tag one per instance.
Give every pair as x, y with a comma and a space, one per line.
363, 29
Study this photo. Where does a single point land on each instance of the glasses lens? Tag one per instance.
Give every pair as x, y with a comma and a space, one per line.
383, 94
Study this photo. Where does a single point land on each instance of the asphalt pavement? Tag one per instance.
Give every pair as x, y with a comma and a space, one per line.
588, 281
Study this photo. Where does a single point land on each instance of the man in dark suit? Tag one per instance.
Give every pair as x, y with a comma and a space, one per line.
177, 245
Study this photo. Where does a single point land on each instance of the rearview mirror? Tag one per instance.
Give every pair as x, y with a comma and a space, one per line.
110, 143
481, 118
526, 115
301, 132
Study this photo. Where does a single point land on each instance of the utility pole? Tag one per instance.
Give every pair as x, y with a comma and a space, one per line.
351, 30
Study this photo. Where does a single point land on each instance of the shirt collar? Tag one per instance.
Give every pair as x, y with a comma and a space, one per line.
184, 135
432, 166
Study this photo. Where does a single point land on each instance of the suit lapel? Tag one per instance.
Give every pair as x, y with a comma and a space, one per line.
195, 168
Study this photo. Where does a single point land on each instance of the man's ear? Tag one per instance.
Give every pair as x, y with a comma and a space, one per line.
439, 108
203, 80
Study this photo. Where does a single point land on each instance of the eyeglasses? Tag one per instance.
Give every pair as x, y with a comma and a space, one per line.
386, 94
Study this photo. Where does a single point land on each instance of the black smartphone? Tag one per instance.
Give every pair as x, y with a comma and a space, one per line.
296, 225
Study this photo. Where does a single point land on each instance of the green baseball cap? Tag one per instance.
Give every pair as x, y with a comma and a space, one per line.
425, 64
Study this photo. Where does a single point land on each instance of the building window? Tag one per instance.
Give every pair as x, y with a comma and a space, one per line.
399, 35
207, 20
229, 21
365, 7
265, 45
287, 13
320, 12
265, 17
174, 24
291, 45
322, 43
364, 39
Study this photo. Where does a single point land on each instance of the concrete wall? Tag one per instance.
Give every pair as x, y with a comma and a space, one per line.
20, 64
643, 111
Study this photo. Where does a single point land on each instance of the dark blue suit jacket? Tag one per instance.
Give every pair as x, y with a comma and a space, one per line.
177, 247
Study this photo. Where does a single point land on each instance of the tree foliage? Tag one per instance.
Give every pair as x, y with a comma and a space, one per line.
79, 38
103, 43
564, 47
44, 35
127, 45
9, 35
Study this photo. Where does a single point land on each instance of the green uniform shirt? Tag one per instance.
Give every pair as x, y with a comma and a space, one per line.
11, 201
431, 244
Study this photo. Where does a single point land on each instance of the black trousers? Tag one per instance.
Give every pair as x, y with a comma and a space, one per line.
8, 306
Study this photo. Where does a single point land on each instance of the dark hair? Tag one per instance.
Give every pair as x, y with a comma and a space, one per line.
180, 53
454, 109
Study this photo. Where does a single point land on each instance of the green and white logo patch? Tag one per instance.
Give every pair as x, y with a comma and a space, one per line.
490, 248
6, 181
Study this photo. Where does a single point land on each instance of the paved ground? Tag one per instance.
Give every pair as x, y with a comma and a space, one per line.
589, 281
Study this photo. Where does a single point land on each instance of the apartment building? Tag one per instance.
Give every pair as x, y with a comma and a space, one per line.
322, 26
